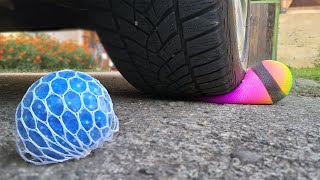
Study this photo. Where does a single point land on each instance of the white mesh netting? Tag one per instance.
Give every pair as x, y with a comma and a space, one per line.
63, 116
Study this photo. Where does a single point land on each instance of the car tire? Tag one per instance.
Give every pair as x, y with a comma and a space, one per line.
184, 48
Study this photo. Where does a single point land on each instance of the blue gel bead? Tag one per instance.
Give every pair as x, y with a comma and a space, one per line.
64, 115
86, 119
72, 140
45, 131
80, 150
70, 121
22, 130
28, 119
52, 154
32, 148
64, 144
28, 99
90, 101
95, 134
18, 113
48, 77
105, 105
42, 91
39, 110
73, 101
59, 86
78, 85
37, 139
66, 74
94, 88
101, 119
56, 125
58, 148
82, 135
55, 104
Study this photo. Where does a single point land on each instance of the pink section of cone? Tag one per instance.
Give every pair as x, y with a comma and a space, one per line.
250, 91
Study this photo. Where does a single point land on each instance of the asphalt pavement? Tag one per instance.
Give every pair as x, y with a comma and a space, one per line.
180, 139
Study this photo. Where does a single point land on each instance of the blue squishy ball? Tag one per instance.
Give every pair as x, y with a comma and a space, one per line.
63, 116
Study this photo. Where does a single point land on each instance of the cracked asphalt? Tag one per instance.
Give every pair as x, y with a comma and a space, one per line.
180, 139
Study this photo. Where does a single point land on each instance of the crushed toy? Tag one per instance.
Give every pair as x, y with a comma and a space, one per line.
266, 82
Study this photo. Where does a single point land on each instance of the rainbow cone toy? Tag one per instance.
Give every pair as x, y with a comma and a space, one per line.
266, 82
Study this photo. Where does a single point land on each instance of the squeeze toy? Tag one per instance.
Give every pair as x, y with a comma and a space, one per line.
266, 82
63, 116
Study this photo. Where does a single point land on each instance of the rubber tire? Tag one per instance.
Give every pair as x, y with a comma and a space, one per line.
171, 47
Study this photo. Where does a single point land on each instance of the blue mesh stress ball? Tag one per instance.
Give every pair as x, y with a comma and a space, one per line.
62, 116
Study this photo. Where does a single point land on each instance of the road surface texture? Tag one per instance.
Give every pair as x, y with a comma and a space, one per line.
175, 139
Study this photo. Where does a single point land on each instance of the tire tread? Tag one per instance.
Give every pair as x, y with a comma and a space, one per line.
169, 47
